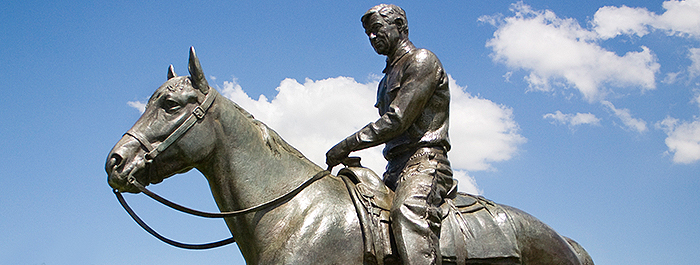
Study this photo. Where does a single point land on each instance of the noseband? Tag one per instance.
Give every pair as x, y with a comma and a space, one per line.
197, 114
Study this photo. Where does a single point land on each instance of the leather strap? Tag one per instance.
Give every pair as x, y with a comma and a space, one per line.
197, 114
181, 208
164, 239
256, 208
142, 140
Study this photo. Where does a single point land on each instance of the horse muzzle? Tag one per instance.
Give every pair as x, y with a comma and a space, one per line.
124, 163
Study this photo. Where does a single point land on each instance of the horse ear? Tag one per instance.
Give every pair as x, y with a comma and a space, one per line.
171, 72
196, 73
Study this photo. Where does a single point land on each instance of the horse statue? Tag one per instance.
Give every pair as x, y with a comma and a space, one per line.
188, 124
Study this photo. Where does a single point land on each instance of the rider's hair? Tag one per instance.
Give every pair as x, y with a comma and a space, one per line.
390, 13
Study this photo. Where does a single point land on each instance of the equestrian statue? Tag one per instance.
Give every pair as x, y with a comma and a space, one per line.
284, 209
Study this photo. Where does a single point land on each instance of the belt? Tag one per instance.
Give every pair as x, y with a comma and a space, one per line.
401, 160
427, 151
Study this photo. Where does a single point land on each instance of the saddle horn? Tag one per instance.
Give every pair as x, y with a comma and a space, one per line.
196, 73
171, 72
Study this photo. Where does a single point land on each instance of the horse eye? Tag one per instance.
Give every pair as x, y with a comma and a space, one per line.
171, 105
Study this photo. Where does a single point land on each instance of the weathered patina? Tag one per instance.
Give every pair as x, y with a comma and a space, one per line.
413, 100
247, 164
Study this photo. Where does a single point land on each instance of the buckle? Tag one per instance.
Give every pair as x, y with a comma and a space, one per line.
199, 112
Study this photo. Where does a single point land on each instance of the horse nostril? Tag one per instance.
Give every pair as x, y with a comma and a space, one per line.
115, 160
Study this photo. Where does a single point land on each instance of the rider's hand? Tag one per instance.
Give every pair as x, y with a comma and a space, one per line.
337, 154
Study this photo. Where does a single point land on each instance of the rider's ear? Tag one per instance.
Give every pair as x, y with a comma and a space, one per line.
171, 72
196, 73
400, 24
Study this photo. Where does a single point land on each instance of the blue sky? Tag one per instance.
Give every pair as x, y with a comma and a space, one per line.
585, 115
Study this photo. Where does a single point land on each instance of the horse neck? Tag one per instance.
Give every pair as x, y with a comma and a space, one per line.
249, 166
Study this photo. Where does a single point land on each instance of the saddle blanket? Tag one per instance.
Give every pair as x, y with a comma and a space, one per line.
474, 229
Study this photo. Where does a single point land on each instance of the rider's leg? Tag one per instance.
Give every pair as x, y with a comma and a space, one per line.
421, 188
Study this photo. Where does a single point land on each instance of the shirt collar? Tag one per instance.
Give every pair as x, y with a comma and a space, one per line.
405, 48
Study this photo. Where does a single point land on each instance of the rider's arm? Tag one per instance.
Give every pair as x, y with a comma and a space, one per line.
417, 85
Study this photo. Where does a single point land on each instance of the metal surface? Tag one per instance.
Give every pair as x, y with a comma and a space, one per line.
247, 163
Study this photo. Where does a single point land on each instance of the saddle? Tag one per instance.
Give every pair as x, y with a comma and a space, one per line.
474, 230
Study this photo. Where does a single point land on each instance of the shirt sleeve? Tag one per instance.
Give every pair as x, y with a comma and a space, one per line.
417, 85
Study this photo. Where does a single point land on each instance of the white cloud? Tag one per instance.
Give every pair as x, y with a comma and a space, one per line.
558, 53
554, 49
681, 18
138, 105
694, 68
692, 71
507, 76
573, 119
315, 115
683, 139
610, 21
481, 131
466, 183
625, 116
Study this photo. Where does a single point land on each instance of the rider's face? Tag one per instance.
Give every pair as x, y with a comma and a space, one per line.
383, 36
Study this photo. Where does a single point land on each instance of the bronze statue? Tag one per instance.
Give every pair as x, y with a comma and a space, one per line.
284, 209
413, 100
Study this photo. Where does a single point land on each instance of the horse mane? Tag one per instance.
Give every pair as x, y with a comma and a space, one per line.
270, 137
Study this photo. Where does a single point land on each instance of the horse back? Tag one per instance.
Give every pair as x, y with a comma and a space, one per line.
473, 228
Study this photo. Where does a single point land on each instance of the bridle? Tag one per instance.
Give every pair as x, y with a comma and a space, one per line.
197, 114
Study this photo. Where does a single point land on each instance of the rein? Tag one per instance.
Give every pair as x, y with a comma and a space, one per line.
191, 211
148, 229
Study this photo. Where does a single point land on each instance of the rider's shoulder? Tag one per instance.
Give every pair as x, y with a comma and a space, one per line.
424, 58
422, 54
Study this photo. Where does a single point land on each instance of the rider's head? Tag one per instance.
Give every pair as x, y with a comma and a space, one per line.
386, 26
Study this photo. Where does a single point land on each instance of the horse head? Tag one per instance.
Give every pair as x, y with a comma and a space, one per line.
171, 136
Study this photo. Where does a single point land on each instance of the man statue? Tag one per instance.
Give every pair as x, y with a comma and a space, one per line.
413, 100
